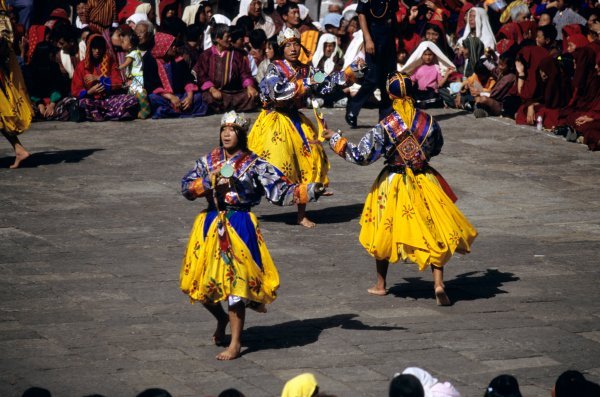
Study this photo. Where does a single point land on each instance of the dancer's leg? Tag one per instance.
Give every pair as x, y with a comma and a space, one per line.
237, 315
222, 319
302, 218
438, 285
20, 152
379, 287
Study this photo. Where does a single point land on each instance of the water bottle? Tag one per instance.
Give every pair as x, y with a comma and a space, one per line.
540, 124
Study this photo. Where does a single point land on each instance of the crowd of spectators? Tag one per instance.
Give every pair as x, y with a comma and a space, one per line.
412, 382
535, 61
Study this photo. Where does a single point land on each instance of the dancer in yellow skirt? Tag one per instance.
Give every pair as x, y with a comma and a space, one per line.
409, 213
226, 256
16, 111
282, 135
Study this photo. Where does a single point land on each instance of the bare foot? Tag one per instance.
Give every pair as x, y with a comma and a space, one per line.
231, 353
19, 157
219, 335
327, 193
377, 291
306, 222
441, 298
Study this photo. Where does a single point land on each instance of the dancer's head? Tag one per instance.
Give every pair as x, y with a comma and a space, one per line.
234, 131
399, 86
288, 41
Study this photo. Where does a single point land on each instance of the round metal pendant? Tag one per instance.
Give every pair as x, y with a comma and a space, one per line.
319, 77
227, 170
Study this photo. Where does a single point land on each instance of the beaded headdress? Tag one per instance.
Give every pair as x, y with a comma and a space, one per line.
399, 85
287, 34
236, 120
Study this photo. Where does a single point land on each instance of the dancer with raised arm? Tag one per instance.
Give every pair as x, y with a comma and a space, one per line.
409, 213
226, 257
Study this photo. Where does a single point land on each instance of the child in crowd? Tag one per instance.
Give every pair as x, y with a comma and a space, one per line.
135, 72
429, 68
271, 49
479, 84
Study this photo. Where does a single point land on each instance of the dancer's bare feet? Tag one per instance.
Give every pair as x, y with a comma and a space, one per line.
327, 193
377, 290
219, 335
231, 353
304, 221
20, 156
441, 298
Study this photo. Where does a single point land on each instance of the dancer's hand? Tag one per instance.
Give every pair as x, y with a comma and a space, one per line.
328, 134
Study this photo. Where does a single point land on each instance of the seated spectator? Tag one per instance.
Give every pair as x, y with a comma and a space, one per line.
46, 86
500, 101
429, 68
478, 26
271, 49
304, 385
177, 95
431, 386
435, 33
97, 82
224, 75
566, 16
253, 9
480, 83
64, 37
546, 38
328, 57
503, 386
575, 41
238, 43
552, 93
582, 115
170, 22
406, 385
573, 383
257, 43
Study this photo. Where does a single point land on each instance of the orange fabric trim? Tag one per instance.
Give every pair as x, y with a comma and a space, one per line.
301, 194
340, 146
197, 188
309, 40
299, 87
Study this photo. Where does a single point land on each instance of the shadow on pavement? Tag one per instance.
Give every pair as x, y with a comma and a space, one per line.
339, 214
465, 287
49, 158
301, 332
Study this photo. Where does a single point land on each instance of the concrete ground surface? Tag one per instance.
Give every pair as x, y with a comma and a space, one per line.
93, 227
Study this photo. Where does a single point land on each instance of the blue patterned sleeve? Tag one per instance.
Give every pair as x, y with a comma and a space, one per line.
432, 146
196, 183
371, 147
275, 87
279, 190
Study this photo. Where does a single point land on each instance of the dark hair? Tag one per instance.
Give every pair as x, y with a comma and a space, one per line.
550, 11
133, 38
231, 393
284, 9
508, 57
503, 386
63, 31
245, 24
217, 31
258, 38
36, 392
236, 34
406, 385
154, 392
549, 31
193, 32
242, 137
98, 42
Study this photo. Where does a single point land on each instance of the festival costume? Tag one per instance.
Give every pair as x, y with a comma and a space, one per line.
15, 109
226, 255
409, 213
284, 136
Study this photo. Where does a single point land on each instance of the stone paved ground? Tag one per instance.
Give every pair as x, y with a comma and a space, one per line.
93, 227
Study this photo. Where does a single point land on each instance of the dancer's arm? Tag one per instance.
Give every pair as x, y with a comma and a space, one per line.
370, 148
196, 183
280, 191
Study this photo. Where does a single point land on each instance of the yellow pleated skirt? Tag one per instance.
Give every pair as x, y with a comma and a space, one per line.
410, 217
275, 137
226, 255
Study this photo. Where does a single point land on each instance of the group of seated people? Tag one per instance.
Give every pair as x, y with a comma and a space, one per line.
412, 382
532, 60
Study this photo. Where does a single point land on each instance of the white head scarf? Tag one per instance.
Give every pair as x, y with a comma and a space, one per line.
354, 49
349, 12
483, 30
143, 9
217, 18
329, 63
244, 4
136, 18
303, 11
189, 14
414, 61
444, 390
427, 381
